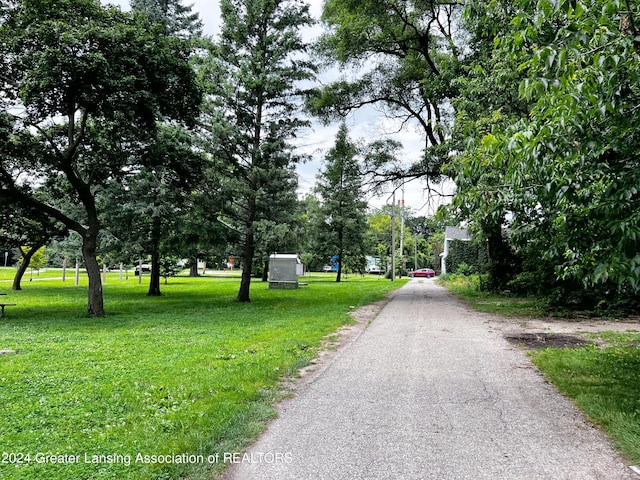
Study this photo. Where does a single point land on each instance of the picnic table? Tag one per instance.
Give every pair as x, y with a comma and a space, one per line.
2, 305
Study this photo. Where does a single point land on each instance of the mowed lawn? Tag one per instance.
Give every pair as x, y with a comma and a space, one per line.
162, 387
604, 382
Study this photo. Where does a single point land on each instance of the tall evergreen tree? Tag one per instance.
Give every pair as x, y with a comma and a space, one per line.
176, 19
343, 210
158, 185
147, 208
256, 70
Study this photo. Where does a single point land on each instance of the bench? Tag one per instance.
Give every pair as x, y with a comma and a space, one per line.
2, 305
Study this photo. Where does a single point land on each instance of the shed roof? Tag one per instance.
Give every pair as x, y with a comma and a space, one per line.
292, 256
456, 233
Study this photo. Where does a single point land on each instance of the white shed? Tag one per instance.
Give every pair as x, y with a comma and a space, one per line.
284, 270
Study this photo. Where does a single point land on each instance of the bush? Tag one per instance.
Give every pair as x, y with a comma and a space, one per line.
465, 269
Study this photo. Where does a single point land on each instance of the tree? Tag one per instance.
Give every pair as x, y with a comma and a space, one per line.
579, 148
175, 19
146, 208
379, 236
406, 58
34, 258
343, 209
487, 104
169, 267
28, 231
173, 165
255, 74
562, 175
313, 256
200, 232
90, 83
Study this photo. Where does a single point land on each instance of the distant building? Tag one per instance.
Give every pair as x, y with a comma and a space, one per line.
452, 233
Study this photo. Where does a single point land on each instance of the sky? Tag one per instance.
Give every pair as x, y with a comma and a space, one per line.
366, 124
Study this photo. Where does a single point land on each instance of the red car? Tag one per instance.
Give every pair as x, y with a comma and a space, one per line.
423, 272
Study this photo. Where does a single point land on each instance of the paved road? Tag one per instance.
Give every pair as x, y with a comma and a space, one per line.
429, 391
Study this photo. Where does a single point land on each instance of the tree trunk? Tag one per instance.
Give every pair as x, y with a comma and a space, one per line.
26, 260
265, 272
95, 304
340, 252
193, 267
503, 264
249, 246
247, 258
247, 264
154, 282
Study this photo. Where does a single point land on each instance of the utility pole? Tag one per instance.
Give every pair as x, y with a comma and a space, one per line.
393, 238
402, 228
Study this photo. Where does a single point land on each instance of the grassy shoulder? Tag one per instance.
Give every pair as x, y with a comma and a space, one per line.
468, 289
161, 387
603, 381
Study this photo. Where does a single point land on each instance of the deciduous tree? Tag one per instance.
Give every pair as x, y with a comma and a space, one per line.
405, 58
85, 85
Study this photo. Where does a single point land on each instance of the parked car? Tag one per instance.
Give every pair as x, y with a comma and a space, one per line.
375, 269
423, 272
326, 268
146, 268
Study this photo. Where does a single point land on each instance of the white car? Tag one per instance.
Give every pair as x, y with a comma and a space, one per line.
146, 268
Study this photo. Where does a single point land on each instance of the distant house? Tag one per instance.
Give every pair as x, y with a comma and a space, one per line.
452, 233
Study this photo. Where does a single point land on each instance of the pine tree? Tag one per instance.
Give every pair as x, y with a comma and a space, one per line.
343, 222
177, 20
256, 70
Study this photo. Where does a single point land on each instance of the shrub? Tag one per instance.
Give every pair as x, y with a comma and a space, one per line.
464, 269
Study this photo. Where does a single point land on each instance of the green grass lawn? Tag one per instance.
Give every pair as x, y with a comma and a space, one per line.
604, 383
192, 372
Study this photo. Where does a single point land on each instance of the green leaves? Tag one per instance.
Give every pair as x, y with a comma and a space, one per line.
256, 97
561, 174
89, 85
405, 59
582, 116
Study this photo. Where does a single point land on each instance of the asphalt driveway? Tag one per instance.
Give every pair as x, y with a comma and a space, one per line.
430, 391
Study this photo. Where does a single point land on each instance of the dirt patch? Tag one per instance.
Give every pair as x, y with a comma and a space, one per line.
534, 333
546, 340
560, 325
